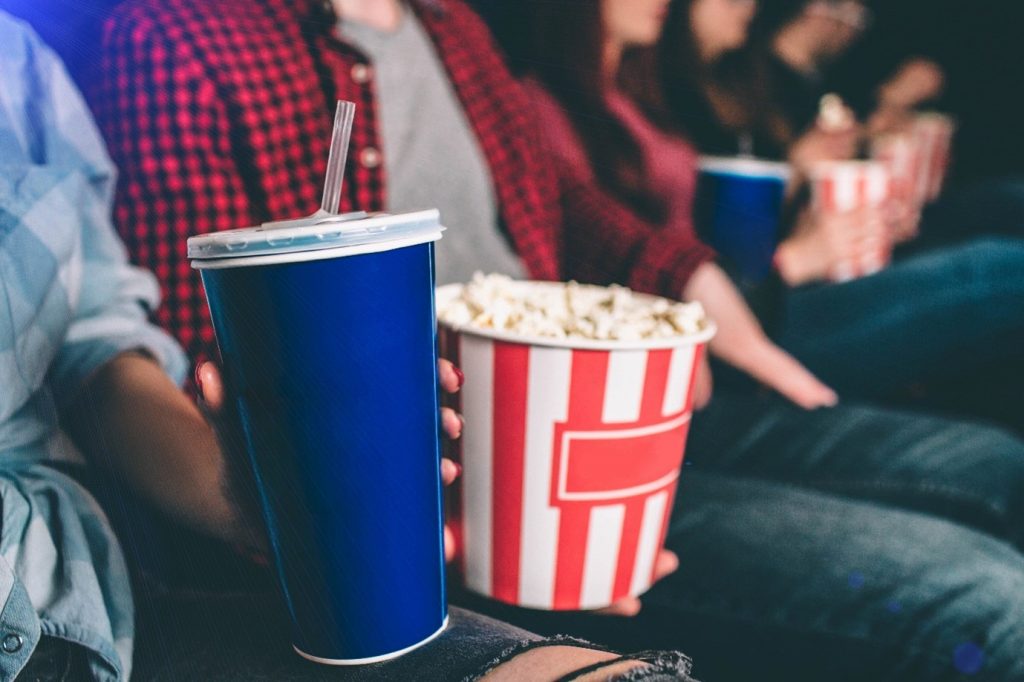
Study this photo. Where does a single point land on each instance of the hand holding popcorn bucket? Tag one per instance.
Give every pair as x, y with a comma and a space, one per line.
573, 445
901, 156
841, 187
933, 134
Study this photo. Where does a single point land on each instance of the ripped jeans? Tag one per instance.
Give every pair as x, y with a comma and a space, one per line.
243, 637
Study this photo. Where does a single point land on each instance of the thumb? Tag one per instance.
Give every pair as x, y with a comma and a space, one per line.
211, 386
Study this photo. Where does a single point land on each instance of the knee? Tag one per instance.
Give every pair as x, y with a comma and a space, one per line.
967, 619
981, 468
991, 257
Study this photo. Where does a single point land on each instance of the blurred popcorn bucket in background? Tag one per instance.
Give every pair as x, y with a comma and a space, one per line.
900, 155
933, 135
571, 456
844, 186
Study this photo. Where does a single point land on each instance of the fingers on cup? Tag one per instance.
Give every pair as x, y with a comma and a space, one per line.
449, 544
451, 377
452, 422
450, 470
210, 384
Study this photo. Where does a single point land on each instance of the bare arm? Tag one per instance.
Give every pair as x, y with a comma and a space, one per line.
742, 342
132, 420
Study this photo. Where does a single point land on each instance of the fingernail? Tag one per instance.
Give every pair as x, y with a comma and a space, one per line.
199, 378
462, 422
458, 469
460, 376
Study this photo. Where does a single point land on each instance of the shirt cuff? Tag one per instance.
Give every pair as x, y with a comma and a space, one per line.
79, 360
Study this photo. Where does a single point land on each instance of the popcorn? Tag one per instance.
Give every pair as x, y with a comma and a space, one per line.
833, 114
568, 311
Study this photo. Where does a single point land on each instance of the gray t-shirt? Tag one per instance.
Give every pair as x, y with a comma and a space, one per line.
431, 154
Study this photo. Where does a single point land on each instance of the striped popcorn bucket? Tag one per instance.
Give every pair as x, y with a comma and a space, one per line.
899, 153
571, 455
843, 186
933, 133
901, 156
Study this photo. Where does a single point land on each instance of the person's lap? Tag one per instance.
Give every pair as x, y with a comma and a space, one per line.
884, 537
966, 472
780, 583
811, 586
939, 314
244, 637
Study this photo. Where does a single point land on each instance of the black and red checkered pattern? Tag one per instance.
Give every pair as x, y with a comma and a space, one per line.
218, 115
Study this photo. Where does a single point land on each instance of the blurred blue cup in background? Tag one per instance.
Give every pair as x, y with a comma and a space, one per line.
739, 211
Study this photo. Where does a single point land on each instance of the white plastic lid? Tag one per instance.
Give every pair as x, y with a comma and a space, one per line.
745, 165
357, 232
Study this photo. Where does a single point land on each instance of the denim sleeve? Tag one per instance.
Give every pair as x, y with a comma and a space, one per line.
110, 315
19, 625
110, 307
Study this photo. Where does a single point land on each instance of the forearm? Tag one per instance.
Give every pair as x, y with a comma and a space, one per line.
131, 419
742, 342
739, 333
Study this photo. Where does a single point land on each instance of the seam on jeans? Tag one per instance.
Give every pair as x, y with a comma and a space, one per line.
950, 493
528, 645
831, 485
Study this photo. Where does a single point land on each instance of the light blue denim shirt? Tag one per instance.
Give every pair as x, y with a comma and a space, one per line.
69, 302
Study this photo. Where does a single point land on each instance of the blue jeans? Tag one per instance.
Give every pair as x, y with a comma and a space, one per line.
844, 544
943, 314
244, 637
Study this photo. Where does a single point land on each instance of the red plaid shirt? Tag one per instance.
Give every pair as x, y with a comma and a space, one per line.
218, 115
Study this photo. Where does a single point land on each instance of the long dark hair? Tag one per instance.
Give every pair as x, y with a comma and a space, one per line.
561, 44
682, 92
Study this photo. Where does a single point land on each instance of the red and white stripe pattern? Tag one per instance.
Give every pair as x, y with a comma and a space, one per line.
843, 186
570, 463
848, 185
900, 155
933, 135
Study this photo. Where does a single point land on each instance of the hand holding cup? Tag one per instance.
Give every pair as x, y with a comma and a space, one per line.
825, 244
211, 387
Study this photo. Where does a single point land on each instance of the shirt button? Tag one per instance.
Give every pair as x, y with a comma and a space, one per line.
369, 157
361, 73
12, 643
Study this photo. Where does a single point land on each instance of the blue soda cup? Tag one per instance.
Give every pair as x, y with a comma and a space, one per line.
328, 340
739, 210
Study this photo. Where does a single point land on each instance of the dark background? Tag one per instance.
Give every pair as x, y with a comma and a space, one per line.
979, 42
